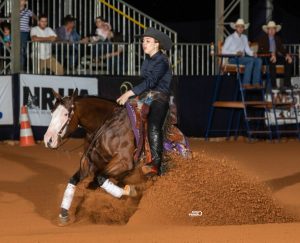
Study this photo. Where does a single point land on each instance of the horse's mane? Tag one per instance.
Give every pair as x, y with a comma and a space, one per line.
79, 98
94, 97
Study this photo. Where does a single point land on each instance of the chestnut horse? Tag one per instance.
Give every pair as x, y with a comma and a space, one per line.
110, 143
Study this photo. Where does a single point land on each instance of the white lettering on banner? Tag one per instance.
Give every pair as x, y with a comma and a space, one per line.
287, 116
36, 93
6, 104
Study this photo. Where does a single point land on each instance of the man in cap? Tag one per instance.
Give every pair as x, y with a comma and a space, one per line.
237, 44
67, 33
156, 77
270, 42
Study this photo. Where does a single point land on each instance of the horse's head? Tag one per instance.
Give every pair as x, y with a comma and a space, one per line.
63, 120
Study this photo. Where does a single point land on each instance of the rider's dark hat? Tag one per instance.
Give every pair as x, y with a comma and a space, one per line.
162, 38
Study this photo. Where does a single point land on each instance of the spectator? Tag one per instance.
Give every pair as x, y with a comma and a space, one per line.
42, 33
5, 42
237, 44
103, 35
25, 16
103, 31
272, 43
6, 35
67, 33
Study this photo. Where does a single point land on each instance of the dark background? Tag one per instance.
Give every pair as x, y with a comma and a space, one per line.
196, 24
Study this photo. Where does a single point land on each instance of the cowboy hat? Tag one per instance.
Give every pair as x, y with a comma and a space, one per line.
239, 22
271, 24
164, 40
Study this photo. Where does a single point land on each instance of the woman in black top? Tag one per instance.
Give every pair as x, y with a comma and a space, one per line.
156, 75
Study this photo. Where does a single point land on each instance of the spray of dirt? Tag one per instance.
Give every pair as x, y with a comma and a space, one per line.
197, 191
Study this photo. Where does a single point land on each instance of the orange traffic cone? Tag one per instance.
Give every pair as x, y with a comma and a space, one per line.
26, 136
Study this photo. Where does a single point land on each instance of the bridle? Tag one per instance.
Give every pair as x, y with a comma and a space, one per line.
70, 116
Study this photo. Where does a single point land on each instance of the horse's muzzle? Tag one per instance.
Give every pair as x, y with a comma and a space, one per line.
48, 144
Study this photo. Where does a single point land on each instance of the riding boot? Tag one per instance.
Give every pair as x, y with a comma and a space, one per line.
156, 148
156, 119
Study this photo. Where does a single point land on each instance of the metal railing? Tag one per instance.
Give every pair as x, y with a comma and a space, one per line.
128, 20
106, 58
131, 22
123, 17
5, 60
79, 58
194, 59
295, 50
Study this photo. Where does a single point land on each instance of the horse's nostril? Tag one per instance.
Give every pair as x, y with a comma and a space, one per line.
48, 145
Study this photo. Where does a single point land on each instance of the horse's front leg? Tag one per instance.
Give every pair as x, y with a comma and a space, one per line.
68, 198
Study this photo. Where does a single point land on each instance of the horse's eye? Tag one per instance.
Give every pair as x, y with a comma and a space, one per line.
66, 114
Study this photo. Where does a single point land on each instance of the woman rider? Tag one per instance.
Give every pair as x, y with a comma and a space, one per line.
156, 84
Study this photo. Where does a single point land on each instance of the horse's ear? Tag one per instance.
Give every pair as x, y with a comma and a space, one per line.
56, 95
75, 93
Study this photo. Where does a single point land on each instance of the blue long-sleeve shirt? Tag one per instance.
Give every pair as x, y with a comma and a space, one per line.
63, 35
156, 75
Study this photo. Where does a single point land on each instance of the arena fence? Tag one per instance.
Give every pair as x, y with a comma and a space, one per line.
192, 59
123, 17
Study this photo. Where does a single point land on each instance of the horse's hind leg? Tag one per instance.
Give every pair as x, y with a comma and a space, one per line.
68, 198
109, 186
117, 166
113, 189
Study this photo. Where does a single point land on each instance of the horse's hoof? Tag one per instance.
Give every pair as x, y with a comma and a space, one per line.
149, 171
129, 190
64, 220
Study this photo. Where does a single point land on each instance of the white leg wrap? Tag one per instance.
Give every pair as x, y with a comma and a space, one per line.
68, 196
112, 189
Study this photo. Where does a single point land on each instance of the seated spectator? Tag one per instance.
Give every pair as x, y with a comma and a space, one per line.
4, 43
6, 35
237, 44
101, 41
42, 33
270, 42
103, 31
67, 33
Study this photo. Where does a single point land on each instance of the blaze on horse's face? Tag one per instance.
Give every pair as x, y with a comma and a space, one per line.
61, 116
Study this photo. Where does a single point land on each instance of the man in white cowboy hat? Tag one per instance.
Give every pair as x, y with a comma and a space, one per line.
237, 44
272, 43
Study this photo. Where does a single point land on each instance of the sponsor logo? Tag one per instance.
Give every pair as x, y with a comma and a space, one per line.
195, 214
42, 98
